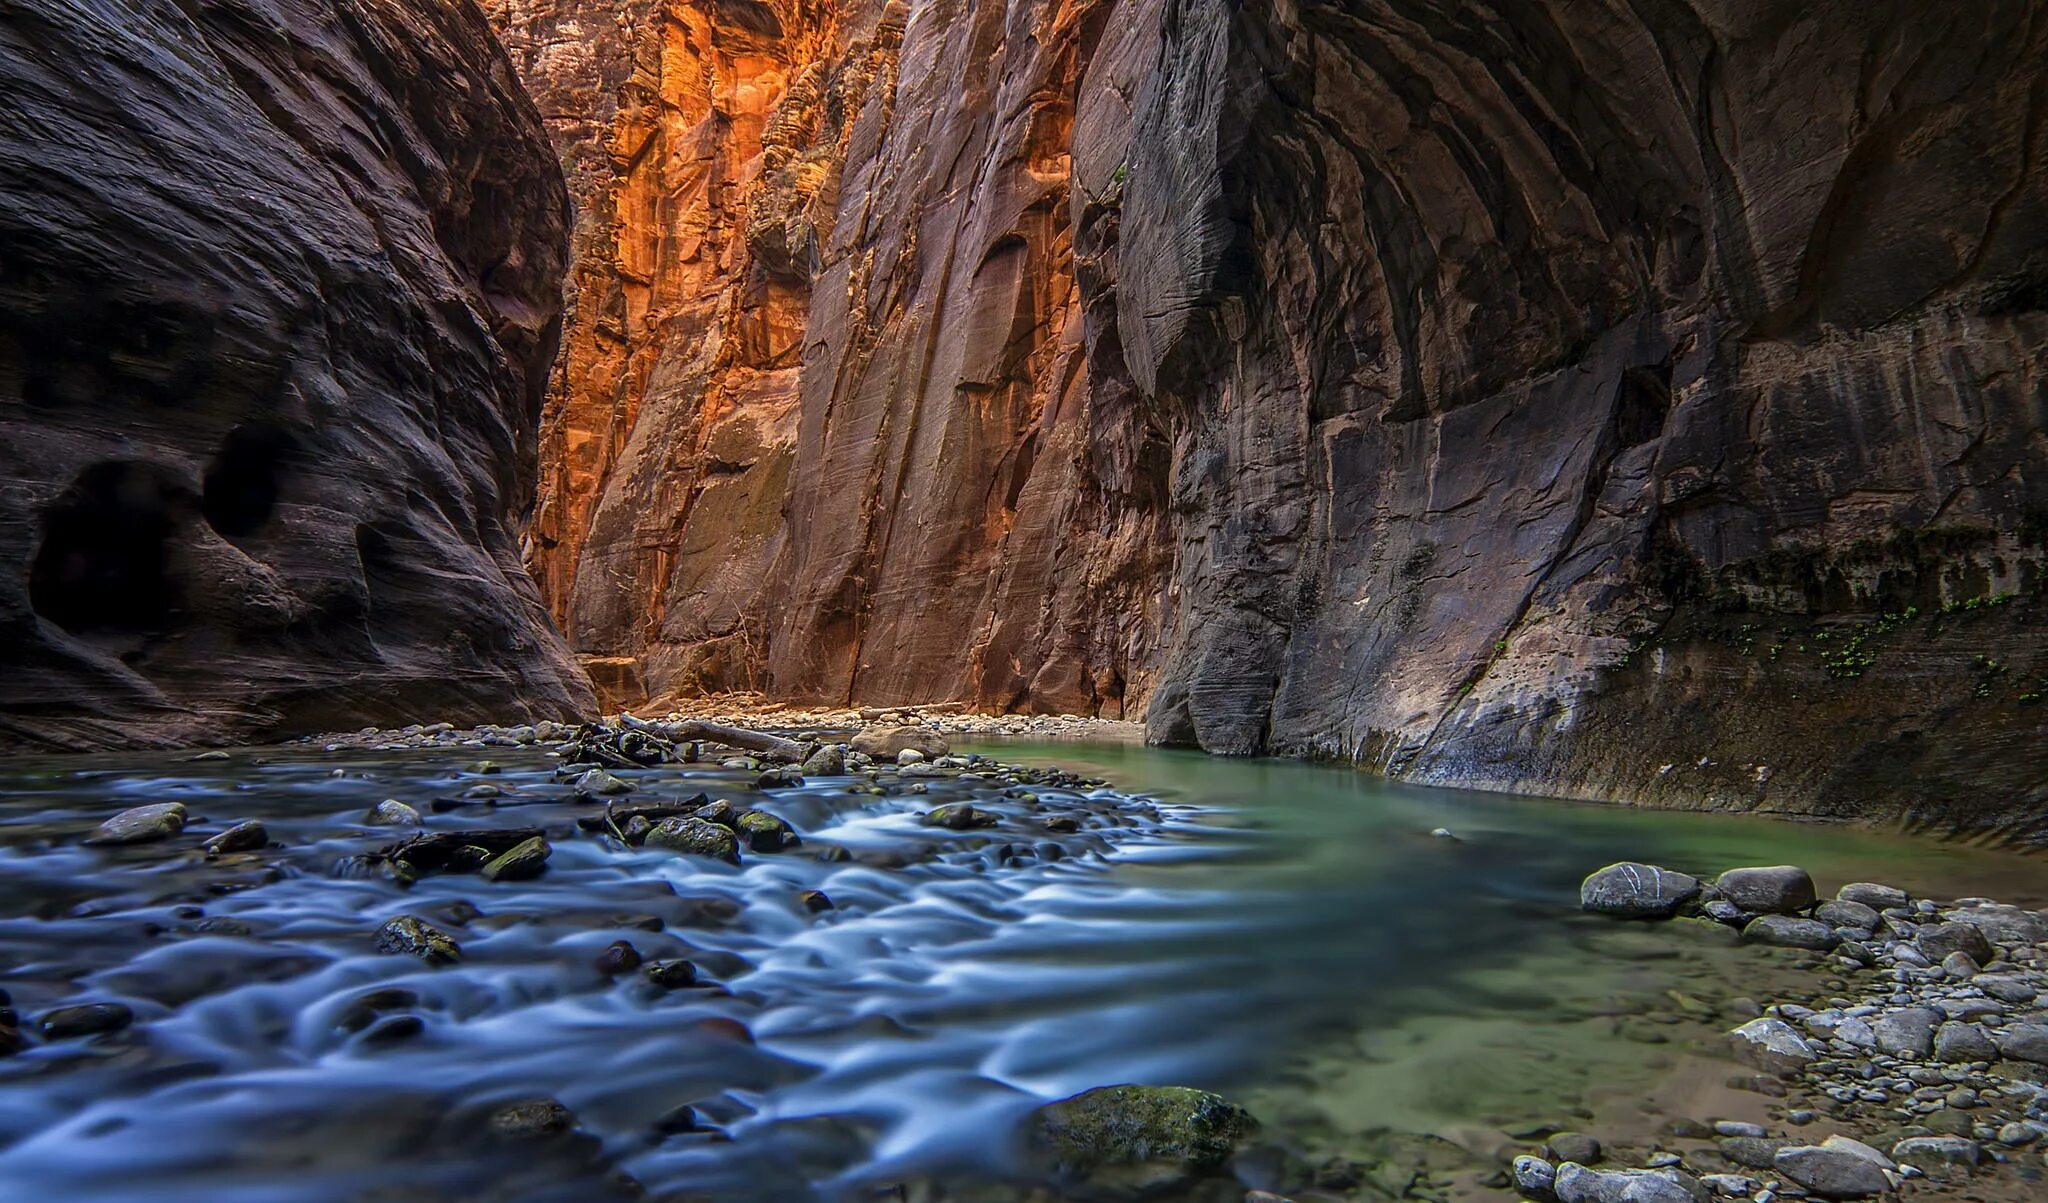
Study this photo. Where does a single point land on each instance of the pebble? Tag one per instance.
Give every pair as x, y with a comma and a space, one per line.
84, 1019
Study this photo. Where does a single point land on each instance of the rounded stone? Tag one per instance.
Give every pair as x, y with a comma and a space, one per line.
1768, 889
1629, 890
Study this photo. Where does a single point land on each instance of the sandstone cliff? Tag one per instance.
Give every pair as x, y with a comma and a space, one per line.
279, 288
1637, 401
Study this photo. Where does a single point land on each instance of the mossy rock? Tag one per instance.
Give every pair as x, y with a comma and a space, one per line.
410, 935
1137, 1140
959, 816
764, 832
695, 837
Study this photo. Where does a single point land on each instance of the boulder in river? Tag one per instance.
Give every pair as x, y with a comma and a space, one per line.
532, 1119
1634, 891
1772, 1044
886, 743
1768, 890
2025, 1042
246, 836
1871, 894
828, 761
1832, 1172
85, 1019
1907, 1032
959, 816
1853, 916
2003, 924
596, 783
1577, 1184
1140, 1139
410, 935
1937, 940
140, 825
765, 832
393, 813
521, 862
1787, 931
695, 837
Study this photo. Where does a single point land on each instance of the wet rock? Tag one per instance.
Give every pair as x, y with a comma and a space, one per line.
1534, 1177
827, 761
1753, 1152
1876, 897
1937, 940
2025, 1042
1729, 1186
393, 1029
1573, 1146
393, 813
85, 1019
1908, 1032
1851, 915
814, 901
1831, 1173
1772, 1044
1577, 1184
782, 778
959, 816
1786, 931
1140, 1138
596, 783
246, 836
696, 837
410, 935
2007, 987
618, 957
1730, 1127
1768, 890
671, 974
140, 825
521, 862
1960, 965
1062, 824
11, 1040
532, 1119
1635, 891
886, 743
2009, 925
678, 1120
1935, 1152
764, 832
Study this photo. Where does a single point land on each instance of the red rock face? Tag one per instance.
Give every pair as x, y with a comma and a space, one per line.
1572, 397
278, 292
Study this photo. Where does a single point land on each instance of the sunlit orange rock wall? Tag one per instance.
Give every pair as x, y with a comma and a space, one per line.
825, 424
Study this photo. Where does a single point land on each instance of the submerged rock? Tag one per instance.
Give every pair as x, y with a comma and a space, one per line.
140, 825
1785, 931
671, 974
532, 1119
410, 935
1140, 1138
1634, 891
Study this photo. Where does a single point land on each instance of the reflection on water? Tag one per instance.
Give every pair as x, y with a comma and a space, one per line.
1289, 934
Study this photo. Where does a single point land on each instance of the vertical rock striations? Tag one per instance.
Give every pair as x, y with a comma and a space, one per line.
279, 288
1627, 400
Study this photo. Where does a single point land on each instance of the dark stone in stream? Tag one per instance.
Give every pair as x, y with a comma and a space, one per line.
618, 957
87, 1019
1785, 931
393, 813
1063, 824
678, 1120
671, 974
1574, 1146
532, 1119
140, 825
695, 837
394, 1028
521, 862
815, 901
456, 851
1140, 1139
246, 836
782, 778
1769, 890
11, 1040
410, 935
765, 832
1635, 891
959, 816
1937, 940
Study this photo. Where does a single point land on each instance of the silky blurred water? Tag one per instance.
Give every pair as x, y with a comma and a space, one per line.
1289, 934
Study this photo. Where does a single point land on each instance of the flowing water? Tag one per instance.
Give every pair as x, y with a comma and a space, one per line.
1290, 935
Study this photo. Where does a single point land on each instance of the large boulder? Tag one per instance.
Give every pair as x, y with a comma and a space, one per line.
1833, 1172
282, 291
1937, 941
1636, 891
1139, 1139
1768, 890
141, 825
696, 837
1577, 1184
887, 743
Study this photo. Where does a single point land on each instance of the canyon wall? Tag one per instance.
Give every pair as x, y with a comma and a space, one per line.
1624, 400
279, 291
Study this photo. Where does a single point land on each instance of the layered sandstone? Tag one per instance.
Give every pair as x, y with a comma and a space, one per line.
1640, 402
279, 289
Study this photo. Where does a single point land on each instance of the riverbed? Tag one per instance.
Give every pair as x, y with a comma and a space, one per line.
1401, 1005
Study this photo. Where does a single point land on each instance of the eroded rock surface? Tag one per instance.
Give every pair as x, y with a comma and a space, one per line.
279, 288
1618, 401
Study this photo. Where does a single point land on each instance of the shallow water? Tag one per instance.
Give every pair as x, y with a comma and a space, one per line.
1289, 934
